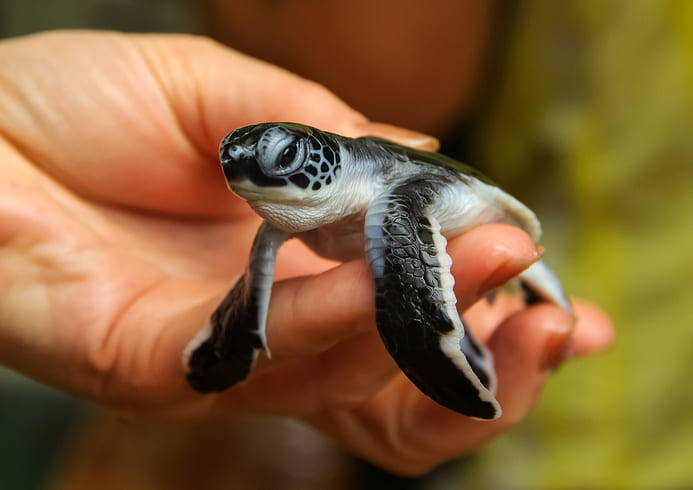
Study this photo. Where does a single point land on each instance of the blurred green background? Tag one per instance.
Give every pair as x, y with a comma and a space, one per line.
588, 119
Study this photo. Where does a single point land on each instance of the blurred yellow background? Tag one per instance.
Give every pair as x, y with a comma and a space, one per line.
593, 125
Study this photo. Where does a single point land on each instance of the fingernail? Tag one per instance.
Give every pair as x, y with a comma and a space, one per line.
511, 267
402, 136
558, 346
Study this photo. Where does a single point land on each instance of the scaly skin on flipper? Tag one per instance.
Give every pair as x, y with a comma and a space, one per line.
225, 352
341, 196
415, 305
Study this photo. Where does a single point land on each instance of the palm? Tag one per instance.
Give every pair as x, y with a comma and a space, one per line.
120, 274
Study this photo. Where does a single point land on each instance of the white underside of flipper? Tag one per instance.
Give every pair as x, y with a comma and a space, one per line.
199, 339
450, 343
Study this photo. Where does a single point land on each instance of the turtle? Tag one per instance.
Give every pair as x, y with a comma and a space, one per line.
347, 198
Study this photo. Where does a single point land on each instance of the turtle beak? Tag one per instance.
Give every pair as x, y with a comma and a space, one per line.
233, 166
236, 156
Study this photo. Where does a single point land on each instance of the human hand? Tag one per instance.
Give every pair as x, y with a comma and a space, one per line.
118, 238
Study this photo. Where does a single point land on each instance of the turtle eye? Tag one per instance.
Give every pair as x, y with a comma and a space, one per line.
287, 158
280, 153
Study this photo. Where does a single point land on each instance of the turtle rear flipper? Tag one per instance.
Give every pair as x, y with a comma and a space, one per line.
539, 283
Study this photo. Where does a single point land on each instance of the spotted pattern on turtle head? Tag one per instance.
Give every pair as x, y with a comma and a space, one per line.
322, 167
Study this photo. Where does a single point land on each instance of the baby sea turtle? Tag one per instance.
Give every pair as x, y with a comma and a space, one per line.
342, 196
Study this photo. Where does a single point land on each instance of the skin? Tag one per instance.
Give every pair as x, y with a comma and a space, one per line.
118, 237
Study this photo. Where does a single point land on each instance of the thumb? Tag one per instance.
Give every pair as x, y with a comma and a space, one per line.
405, 137
218, 89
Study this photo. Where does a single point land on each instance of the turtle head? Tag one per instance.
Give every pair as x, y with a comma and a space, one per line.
281, 165
279, 155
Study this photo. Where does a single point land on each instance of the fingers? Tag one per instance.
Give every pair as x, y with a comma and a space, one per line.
342, 377
488, 256
240, 90
594, 332
402, 136
233, 90
526, 348
407, 433
311, 314
308, 315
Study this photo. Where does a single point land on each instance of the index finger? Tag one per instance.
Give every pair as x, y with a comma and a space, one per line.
309, 315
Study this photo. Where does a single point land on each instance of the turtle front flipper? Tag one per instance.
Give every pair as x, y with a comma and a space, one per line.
224, 352
415, 303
